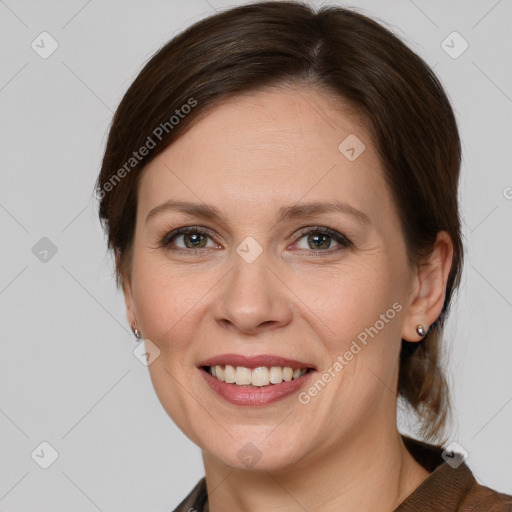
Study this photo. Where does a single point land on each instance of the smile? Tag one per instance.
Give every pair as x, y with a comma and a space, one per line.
255, 377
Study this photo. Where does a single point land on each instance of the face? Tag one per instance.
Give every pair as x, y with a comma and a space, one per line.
287, 256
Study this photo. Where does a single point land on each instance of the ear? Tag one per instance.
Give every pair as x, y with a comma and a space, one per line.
429, 288
128, 300
128, 296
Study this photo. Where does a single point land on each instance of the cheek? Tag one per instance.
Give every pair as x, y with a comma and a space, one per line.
167, 305
166, 299
358, 312
173, 305
347, 302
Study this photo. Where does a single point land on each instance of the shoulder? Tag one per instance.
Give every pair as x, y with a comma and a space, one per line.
481, 498
451, 486
449, 489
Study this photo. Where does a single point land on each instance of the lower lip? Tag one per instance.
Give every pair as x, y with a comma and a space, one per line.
242, 395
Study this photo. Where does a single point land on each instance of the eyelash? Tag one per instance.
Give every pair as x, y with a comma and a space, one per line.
335, 235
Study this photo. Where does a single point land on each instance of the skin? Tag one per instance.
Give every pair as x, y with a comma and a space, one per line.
248, 157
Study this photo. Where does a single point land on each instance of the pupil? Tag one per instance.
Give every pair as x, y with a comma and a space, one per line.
195, 240
320, 238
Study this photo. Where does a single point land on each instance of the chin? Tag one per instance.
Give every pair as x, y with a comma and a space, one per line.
255, 453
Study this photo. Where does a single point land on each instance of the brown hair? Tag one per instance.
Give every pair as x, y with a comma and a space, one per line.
264, 44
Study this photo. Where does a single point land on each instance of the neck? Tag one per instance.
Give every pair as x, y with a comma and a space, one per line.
371, 472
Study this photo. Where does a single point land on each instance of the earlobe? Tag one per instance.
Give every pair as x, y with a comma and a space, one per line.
421, 330
429, 292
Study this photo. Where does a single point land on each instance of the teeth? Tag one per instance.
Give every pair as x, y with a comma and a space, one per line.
287, 374
276, 375
229, 373
242, 376
261, 376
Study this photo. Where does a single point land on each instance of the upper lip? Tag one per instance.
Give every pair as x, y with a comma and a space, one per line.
254, 361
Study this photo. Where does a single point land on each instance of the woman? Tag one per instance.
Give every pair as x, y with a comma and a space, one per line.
279, 189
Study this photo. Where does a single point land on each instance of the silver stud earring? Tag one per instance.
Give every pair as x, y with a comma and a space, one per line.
136, 332
420, 330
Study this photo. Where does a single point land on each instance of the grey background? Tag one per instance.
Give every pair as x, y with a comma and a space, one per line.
67, 372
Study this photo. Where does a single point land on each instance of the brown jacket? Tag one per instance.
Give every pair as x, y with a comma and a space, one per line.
447, 489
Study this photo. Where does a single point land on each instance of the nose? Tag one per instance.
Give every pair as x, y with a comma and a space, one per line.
252, 298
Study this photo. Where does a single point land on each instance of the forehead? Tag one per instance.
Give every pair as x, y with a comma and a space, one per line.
268, 147
278, 118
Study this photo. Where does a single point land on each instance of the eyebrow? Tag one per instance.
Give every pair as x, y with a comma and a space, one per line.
303, 210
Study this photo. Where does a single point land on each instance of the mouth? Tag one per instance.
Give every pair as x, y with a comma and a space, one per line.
256, 371
257, 380
260, 376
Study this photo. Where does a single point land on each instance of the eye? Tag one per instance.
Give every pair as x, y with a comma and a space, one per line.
316, 239
320, 239
191, 238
